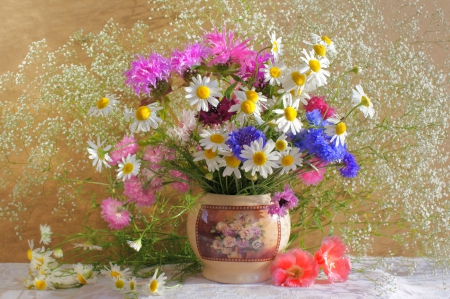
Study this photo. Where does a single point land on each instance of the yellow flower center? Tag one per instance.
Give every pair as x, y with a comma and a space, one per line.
217, 138
40, 260
143, 113
251, 95
281, 145
314, 64
132, 285
340, 128
320, 50
296, 92
287, 160
365, 101
275, 46
127, 169
290, 113
81, 279
120, 284
295, 272
232, 161
41, 285
115, 274
275, 72
203, 92
210, 154
259, 158
248, 106
326, 39
298, 78
102, 103
153, 285
29, 254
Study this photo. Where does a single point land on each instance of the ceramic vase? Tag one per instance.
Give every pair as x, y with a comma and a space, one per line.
235, 237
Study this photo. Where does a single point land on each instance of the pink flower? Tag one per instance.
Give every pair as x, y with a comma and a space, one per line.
331, 257
115, 214
135, 191
295, 268
127, 146
313, 177
180, 186
320, 104
156, 154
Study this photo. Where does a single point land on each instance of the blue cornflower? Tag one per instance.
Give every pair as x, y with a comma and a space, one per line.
351, 168
314, 117
244, 136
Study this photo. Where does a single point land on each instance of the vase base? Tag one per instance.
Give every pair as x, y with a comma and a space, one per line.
231, 275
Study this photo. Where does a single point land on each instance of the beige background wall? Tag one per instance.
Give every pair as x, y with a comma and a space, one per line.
25, 21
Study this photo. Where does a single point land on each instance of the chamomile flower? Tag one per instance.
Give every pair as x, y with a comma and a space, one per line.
43, 282
58, 253
250, 94
87, 245
318, 75
136, 245
119, 283
144, 118
260, 158
277, 46
281, 144
247, 105
231, 164
31, 252
211, 157
214, 139
46, 234
290, 159
104, 106
294, 80
84, 274
289, 120
42, 260
115, 271
128, 167
98, 154
359, 97
203, 91
274, 72
337, 129
130, 284
156, 284
302, 94
324, 41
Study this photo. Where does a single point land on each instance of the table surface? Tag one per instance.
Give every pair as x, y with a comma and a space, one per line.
373, 282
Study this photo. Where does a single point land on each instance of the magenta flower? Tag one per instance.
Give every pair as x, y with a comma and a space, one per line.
186, 59
181, 181
134, 189
320, 104
115, 214
282, 202
313, 177
331, 257
127, 146
146, 73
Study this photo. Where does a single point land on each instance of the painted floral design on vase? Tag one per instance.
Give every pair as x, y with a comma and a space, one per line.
235, 237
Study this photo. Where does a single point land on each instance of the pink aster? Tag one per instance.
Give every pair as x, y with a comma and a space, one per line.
192, 55
145, 73
320, 104
127, 146
314, 176
115, 214
331, 257
180, 181
295, 268
225, 49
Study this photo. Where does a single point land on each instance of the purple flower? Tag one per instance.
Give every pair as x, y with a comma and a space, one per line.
186, 59
241, 243
226, 231
258, 245
145, 74
283, 201
217, 115
243, 136
256, 231
351, 168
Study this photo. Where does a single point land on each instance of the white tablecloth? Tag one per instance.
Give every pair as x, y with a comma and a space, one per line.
370, 283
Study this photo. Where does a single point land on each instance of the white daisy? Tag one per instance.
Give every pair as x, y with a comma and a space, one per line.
131, 284
98, 154
294, 81
144, 118
277, 46
323, 41
214, 139
231, 164
302, 94
31, 252
58, 253
43, 282
260, 158
156, 284
360, 98
338, 130
289, 120
84, 274
290, 159
247, 105
250, 94
211, 157
128, 167
104, 106
87, 245
136, 245
281, 144
316, 66
201, 92
115, 271
119, 283
41, 260
46, 234
274, 72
